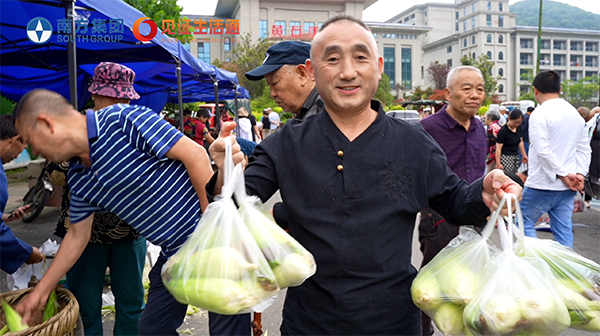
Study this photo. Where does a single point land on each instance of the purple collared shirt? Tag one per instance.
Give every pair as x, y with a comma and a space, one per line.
465, 150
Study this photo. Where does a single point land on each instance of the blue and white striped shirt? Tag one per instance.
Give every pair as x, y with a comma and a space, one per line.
132, 177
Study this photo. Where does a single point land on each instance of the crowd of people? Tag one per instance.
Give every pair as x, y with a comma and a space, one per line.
350, 194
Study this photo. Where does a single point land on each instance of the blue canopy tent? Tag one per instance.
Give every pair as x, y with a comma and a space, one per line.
26, 65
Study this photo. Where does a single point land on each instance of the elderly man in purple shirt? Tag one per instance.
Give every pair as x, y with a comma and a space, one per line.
463, 140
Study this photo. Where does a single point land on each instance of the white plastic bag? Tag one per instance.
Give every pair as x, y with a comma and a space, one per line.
20, 279
448, 282
220, 268
517, 297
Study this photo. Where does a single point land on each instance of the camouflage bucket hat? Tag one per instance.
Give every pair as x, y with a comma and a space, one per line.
113, 80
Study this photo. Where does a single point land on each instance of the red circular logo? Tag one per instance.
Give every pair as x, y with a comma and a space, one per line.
136, 29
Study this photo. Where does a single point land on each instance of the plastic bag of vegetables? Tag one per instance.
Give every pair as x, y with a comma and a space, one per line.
220, 268
290, 261
517, 297
577, 279
450, 280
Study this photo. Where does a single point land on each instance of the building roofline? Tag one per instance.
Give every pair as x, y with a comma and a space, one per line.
421, 6
557, 30
397, 26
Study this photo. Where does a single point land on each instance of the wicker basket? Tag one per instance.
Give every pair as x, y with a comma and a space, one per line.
61, 324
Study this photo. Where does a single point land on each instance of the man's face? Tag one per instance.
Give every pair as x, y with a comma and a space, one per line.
466, 93
346, 66
46, 137
14, 147
286, 88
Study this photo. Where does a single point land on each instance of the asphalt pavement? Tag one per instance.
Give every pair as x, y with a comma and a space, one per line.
586, 229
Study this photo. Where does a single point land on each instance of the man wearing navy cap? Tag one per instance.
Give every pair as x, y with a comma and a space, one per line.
292, 87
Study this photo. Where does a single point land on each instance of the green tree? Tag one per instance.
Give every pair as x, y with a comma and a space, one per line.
384, 89
247, 55
261, 102
419, 93
486, 67
580, 93
164, 10
528, 77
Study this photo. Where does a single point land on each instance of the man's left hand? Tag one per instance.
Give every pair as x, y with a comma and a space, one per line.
495, 184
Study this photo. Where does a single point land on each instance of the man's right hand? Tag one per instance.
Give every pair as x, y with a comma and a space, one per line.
35, 257
217, 149
573, 181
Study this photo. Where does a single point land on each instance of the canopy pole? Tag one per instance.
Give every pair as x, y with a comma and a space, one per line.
179, 94
72, 52
217, 109
237, 117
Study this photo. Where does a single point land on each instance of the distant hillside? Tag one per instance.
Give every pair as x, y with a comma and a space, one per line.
555, 15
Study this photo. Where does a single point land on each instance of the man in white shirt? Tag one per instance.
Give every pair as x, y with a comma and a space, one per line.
273, 119
559, 158
503, 117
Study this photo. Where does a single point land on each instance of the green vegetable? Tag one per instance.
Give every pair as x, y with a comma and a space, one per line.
425, 291
448, 318
501, 313
593, 325
457, 282
51, 307
4, 330
217, 262
14, 321
294, 269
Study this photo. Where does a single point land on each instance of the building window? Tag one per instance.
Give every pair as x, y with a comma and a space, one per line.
228, 59
473, 40
264, 29
591, 46
500, 56
524, 74
590, 74
501, 39
227, 44
456, 15
474, 56
561, 73
559, 60
204, 52
407, 68
449, 49
576, 75
465, 11
282, 24
389, 64
375, 35
464, 43
425, 14
473, 8
545, 59
320, 24
488, 20
465, 25
500, 6
576, 60
576, 45
591, 61
545, 44
526, 59
500, 72
489, 38
500, 88
500, 20
307, 26
524, 89
489, 55
527, 43
473, 22
295, 31
489, 7
560, 45
449, 63
456, 26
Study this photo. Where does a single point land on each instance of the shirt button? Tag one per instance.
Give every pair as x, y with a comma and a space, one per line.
340, 153
340, 167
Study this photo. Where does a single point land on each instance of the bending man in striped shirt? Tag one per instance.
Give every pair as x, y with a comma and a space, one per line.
127, 160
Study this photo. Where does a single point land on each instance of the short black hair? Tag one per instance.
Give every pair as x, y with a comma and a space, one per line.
547, 82
515, 114
7, 128
530, 109
204, 112
31, 104
343, 17
187, 112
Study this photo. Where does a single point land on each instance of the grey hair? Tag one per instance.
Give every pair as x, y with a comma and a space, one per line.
492, 115
451, 78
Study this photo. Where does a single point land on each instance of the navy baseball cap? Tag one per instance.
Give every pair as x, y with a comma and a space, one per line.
287, 52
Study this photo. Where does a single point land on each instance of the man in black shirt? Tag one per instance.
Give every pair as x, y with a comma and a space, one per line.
353, 194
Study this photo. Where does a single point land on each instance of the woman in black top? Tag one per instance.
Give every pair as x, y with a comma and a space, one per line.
509, 143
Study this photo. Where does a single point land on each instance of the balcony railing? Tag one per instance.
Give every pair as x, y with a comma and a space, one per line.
591, 64
576, 63
560, 63
591, 48
526, 62
560, 47
577, 48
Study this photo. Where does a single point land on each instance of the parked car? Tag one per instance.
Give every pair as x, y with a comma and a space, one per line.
411, 116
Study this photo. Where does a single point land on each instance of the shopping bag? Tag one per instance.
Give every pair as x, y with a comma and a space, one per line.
578, 203
449, 281
220, 268
21, 277
517, 296
576, 278
291, 262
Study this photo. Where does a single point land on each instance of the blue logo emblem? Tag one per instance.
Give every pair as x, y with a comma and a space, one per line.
39, 30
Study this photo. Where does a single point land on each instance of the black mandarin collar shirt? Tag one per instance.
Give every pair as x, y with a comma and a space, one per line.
353, 205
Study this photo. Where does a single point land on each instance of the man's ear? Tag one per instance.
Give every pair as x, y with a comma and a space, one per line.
380, 66
303, 74
447, 93
309, 68
46, 121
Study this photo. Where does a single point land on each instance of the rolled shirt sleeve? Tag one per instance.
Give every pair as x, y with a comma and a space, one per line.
13, 251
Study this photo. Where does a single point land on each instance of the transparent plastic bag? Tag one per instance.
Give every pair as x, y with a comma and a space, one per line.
450, 280
220, 268
291, 262
577, 279
517, 297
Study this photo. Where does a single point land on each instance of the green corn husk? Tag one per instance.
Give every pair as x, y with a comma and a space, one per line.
51, 307
14, 321
4, 330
